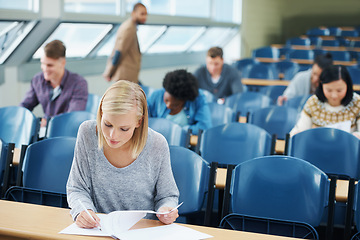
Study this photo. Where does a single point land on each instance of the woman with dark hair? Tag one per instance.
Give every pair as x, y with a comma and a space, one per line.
334, 104
181, 101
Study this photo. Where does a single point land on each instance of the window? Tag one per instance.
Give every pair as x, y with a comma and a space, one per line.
176, 39
11, 35
79, 38
214, 36
111, 7
29, 5
148, 34
186, 8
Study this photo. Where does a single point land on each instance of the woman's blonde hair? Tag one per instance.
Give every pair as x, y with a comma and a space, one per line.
120, 98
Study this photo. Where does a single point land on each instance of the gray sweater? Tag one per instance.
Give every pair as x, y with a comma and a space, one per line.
146, 184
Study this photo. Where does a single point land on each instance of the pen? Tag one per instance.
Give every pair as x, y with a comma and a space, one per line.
82, 205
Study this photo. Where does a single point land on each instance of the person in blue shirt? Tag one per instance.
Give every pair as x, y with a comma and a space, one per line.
181, 101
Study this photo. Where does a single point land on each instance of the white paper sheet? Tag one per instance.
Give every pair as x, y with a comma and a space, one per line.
345, 126
166, 232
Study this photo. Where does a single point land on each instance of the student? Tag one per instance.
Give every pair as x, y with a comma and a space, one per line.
305, 82
334, 102
181, 102
125, 59
220, 79
120, 163
55, 88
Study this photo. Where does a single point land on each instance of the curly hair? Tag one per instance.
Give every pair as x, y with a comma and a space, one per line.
181, 85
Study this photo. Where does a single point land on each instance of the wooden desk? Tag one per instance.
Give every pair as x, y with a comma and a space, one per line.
28, 221
270, 82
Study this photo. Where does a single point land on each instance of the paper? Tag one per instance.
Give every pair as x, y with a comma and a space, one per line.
345, 126
166, 232
114, 223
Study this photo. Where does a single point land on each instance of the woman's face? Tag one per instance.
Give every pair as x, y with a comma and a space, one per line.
175, 105
118, 129
335, 92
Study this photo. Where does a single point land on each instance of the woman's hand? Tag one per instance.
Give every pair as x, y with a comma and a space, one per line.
169, 217
83, 220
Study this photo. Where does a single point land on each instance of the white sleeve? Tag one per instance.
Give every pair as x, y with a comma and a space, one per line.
304, 123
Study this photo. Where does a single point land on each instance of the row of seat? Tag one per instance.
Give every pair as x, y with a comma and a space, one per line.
334, 31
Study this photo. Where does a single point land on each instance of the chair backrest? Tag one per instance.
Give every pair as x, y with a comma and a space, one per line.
208, 95
297, 102
266, 52
18, 125
273, 91
234, 143
349, 33
280, 187
242, 63
288, 68
300, 41
221, 114
275, 120
191, 173
334, 31
330, 43
354, 74
3, 157
341, 56
332, 150
67, 124
92, 103
357, 209
47, 164
260, 71
248, 102
174, 133
301, 54
319, 31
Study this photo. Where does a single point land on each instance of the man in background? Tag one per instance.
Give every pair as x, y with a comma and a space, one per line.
125, 60
305, 82
219, 78
55, 88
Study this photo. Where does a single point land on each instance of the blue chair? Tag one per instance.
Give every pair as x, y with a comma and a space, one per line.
273, 91
275, 190
275, 120
191, 173
297, 102
301, 54
349, 33
174, 133
266, 52
242, 63
47, 164
354, 74
247, 102
287, 68
319, 31
92, 103
6, 155
18, 125
221, 114
335, 152
234, 143
334, 31
67, 124
208, 95
344, 56
298, 41
260, 71
330, 43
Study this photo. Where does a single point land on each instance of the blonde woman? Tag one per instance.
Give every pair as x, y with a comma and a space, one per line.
119, 163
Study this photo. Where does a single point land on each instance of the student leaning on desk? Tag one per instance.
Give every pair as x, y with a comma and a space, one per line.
120, 163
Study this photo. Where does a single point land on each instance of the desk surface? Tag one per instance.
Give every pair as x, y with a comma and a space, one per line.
25, 221
269, 82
